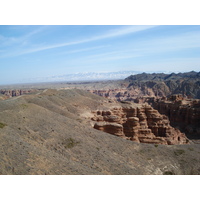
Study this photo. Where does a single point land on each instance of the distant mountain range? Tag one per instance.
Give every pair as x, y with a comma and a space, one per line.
153, 85
167, 84
164, 77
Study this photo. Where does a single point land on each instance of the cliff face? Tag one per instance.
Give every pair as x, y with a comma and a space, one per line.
17, 92
139, 123
132, 92
182, 113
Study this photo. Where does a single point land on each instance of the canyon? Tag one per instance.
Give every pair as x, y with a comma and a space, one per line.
183, 113
145, 124
138, 122
8, 93
72, 131
172, 95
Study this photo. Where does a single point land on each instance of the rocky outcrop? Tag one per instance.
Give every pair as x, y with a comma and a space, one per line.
138, 122
112, 128
182, 113
17, 92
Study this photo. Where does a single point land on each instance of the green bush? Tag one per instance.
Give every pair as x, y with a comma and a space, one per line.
24, 106
69, 143
179, 152
168, 173
191, 149
2, 125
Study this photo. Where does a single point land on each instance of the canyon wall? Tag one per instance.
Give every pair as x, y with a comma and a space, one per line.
17, 92
138, 122
183, 113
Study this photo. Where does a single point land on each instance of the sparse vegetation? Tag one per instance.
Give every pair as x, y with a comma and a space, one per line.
168, 173
191, 149
179, 152
24, 106
2, 125
69, 143
53, 141
193, 172
79, 120
183, 162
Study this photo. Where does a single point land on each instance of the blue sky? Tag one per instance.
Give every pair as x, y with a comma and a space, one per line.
29, 52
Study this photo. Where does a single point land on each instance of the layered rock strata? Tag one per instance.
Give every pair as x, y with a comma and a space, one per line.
182, 113
138, 122
16, 92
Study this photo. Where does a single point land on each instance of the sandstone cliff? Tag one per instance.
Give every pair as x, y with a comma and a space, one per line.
182, 113
138, 122
8, 93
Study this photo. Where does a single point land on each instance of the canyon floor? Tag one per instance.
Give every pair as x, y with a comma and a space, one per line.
50, 132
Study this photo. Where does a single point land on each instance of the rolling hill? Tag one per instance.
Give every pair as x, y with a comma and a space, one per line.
51, 133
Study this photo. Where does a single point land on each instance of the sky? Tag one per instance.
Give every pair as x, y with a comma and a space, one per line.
31, 53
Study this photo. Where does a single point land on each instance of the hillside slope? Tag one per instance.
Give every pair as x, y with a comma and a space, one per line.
49, 133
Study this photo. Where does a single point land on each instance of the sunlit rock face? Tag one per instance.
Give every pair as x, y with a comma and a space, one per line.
138, 122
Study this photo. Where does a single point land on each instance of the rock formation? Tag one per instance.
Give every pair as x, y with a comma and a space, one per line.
182, 113
50, 133
8, 93
138, 122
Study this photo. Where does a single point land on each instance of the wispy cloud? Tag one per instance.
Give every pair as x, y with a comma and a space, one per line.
170, 43
102, 57
134, 48
187, 40
166, 44
121, 31
9, 41
178, 65
110, 34
85, 49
